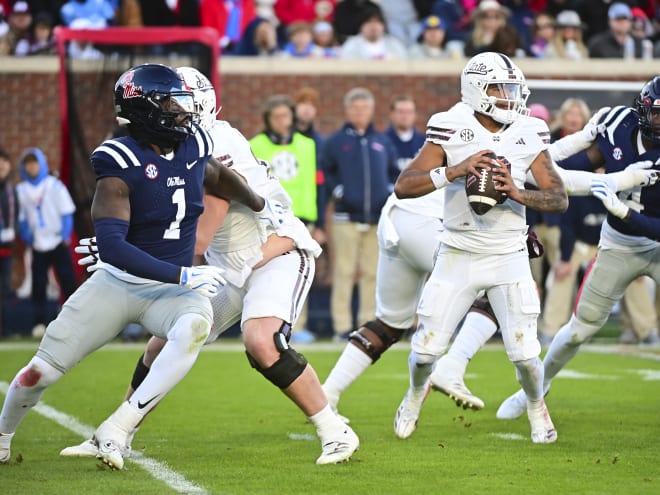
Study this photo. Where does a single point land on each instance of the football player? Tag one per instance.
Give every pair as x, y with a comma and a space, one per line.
229, 237
408, 231
146, 205
487, 252
629, 244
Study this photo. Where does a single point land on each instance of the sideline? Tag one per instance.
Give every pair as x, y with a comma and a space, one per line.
156, 469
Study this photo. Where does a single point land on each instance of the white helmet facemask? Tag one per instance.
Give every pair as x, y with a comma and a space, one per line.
494, 71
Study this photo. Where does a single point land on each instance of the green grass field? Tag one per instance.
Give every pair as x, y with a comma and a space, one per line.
225, 430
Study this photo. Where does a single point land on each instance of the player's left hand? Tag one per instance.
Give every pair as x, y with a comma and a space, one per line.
613, 204
504, 183
643, 173
87, 246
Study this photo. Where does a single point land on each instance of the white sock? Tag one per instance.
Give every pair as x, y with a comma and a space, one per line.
420, 366
171, 365
530, 376
350, 365
127, 417
561, 351
476, 330
24, 392
326, 421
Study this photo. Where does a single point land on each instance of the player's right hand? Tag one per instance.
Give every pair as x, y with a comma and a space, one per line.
204, 279
592, 128
272, 213
87, 246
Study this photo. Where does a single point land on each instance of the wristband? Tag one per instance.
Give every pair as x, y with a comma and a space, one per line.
439, 177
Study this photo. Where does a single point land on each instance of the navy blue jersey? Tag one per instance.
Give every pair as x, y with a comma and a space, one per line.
165, 194
619, 146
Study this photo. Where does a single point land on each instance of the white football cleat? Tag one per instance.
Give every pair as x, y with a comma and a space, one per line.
5, 444
513, 407
543, 430
452, 385
339, 448
111, 441
405, 420
88, 448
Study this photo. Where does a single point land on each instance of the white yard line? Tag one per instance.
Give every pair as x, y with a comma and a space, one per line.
157, 469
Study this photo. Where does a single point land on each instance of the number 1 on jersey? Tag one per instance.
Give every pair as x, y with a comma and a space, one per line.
179, 199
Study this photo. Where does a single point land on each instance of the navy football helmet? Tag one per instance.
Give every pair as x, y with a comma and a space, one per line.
153, 101
647, 105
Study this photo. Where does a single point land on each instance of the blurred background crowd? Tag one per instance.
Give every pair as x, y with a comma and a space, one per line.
358, 29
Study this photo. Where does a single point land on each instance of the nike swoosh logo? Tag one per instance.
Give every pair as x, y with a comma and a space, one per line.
190, 165
142, 405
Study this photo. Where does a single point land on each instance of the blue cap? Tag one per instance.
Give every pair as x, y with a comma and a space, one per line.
433, 22
618, 10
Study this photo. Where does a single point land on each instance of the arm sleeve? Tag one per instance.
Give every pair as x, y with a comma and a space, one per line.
645, 225
116, 250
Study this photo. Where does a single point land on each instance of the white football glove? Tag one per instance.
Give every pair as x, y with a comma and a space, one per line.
613, 204
592, 128
87, 246
641, 173
204, 279
273, 213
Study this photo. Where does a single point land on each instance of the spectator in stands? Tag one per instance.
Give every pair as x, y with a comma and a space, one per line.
432, 42
300, 44
259, 39
456, 15
543, 34
85, 49
45, 224
488, 17
8, 222
617, 41
349, 15
522, 19
360, 167
402, 20
325, 44
41, 40
229, 18
568, 43
402, 132
4, 27
308, 11
373, 42
19, 22
97, 12
507, 40
293, 160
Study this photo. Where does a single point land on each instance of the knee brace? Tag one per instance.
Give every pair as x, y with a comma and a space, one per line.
288, 367
482, 305
374, 338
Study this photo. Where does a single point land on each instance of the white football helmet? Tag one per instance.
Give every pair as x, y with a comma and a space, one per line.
203, 93
491, 68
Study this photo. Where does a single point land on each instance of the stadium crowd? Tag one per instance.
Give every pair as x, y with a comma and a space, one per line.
358, 29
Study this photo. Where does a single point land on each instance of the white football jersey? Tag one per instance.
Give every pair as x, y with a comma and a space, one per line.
236, 245
502, 229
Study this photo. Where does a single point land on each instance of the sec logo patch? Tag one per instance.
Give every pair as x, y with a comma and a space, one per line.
151, 171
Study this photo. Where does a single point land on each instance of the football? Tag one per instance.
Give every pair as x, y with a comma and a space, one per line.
481, 192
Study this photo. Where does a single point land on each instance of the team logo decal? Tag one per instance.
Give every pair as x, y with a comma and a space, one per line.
467, 135
151, 171
477, 68
130, 89
617, 153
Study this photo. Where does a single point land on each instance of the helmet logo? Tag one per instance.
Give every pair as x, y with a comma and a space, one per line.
477, 68
151, 171
132, 91
467, 135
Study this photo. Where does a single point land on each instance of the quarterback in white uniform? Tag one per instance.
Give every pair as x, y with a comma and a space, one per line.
485, 252
253, 258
